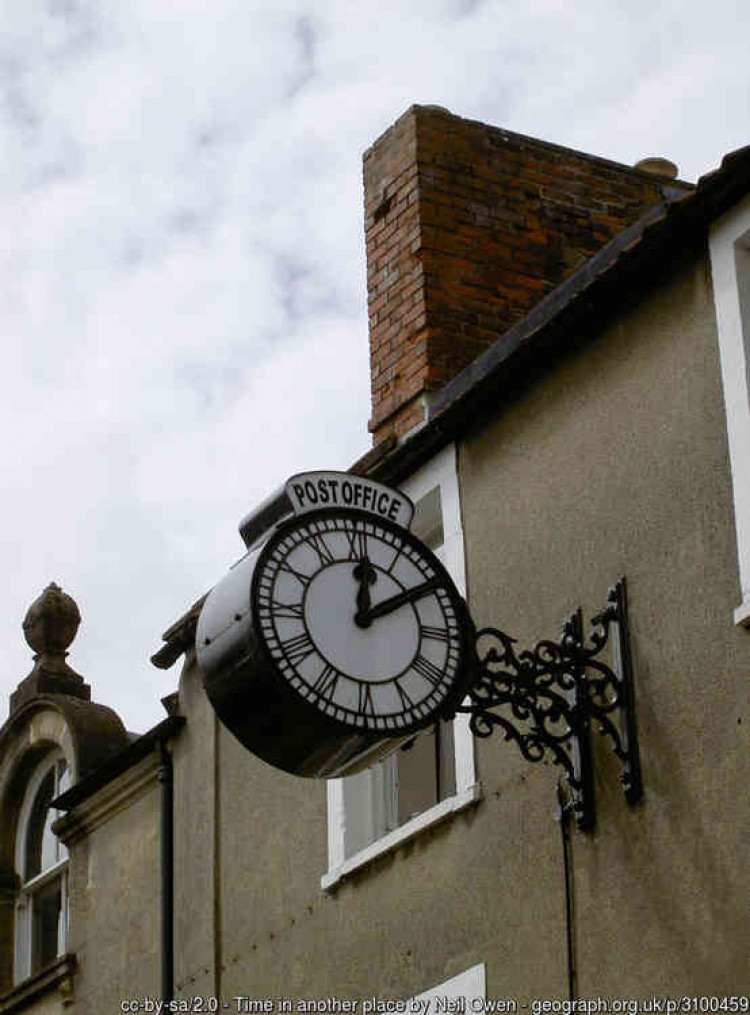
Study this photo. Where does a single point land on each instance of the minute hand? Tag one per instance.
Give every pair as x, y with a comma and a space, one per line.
407, 596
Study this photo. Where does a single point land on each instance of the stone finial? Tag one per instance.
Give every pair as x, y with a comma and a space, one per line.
50, 625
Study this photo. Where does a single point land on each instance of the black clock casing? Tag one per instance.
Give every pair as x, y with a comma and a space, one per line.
342, 636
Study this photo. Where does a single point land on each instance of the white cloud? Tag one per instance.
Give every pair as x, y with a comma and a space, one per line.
183, 262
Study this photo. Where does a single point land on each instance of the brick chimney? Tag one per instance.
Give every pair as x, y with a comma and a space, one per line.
467, 227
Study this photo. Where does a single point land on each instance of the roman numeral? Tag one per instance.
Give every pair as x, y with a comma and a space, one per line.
428, 670
325, 685
286, 611
303, 579
298, 648
396, 555
406, 701
321, 548
436, 633
366, 706
357, 541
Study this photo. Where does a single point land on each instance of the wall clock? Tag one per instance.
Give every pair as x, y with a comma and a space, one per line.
351, 637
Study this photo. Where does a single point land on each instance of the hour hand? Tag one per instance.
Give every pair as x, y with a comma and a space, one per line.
366, 575
365, 617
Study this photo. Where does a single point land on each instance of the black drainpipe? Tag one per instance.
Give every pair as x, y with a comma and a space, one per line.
563, 816
165, 777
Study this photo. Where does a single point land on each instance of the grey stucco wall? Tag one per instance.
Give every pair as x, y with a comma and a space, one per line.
114, 906
617, 464
196, 927
410, 920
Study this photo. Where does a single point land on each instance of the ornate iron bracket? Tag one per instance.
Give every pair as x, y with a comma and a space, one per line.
552, 694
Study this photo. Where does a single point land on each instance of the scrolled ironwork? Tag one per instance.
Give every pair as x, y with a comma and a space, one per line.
545, 698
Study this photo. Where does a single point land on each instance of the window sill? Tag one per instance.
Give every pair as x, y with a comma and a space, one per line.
434, 816
57, 976
742, 614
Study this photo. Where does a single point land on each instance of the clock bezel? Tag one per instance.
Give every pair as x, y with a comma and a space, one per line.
381, 725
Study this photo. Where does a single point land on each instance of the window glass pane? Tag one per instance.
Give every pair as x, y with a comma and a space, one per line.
426, 767
41, 910
417, 782
426, 771
62, 778
47, 910
370, 804
446, 760
428, 519
742, 258
40, 843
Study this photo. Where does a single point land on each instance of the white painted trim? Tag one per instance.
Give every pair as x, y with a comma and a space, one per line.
22, 957
471, 985
729, 240
336, 828
50, 874
40, 773
441, 471
428, 819
463, 745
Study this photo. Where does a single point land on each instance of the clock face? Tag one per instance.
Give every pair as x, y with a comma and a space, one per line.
360, 618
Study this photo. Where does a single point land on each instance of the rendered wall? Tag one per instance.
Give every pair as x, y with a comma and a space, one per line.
406, 922
198, 933
114, 901
617, 464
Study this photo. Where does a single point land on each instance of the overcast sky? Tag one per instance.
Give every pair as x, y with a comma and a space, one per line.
183, 302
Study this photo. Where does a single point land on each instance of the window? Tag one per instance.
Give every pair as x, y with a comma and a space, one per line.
433, 775
469, 986
729, 243
41, 861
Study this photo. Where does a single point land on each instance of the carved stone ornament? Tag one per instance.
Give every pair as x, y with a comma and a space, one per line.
51, 622
50, 625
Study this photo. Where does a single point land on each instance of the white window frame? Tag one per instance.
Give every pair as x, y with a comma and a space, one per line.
440, 471
471, 985
24, 929
729, 245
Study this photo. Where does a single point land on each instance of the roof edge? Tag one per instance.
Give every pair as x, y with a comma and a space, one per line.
118, 764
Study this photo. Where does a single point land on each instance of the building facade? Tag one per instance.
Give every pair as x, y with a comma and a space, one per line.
560, 383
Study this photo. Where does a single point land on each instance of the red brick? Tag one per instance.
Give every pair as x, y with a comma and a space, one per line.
478, 225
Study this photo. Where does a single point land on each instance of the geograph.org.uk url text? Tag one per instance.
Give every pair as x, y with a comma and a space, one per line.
687, 1004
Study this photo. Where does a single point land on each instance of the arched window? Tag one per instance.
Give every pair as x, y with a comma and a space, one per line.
42, 863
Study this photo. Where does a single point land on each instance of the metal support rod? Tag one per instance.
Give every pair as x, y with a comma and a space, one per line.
563, 816
584, 803
632, 779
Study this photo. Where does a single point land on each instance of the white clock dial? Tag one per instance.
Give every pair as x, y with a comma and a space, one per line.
360, 619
